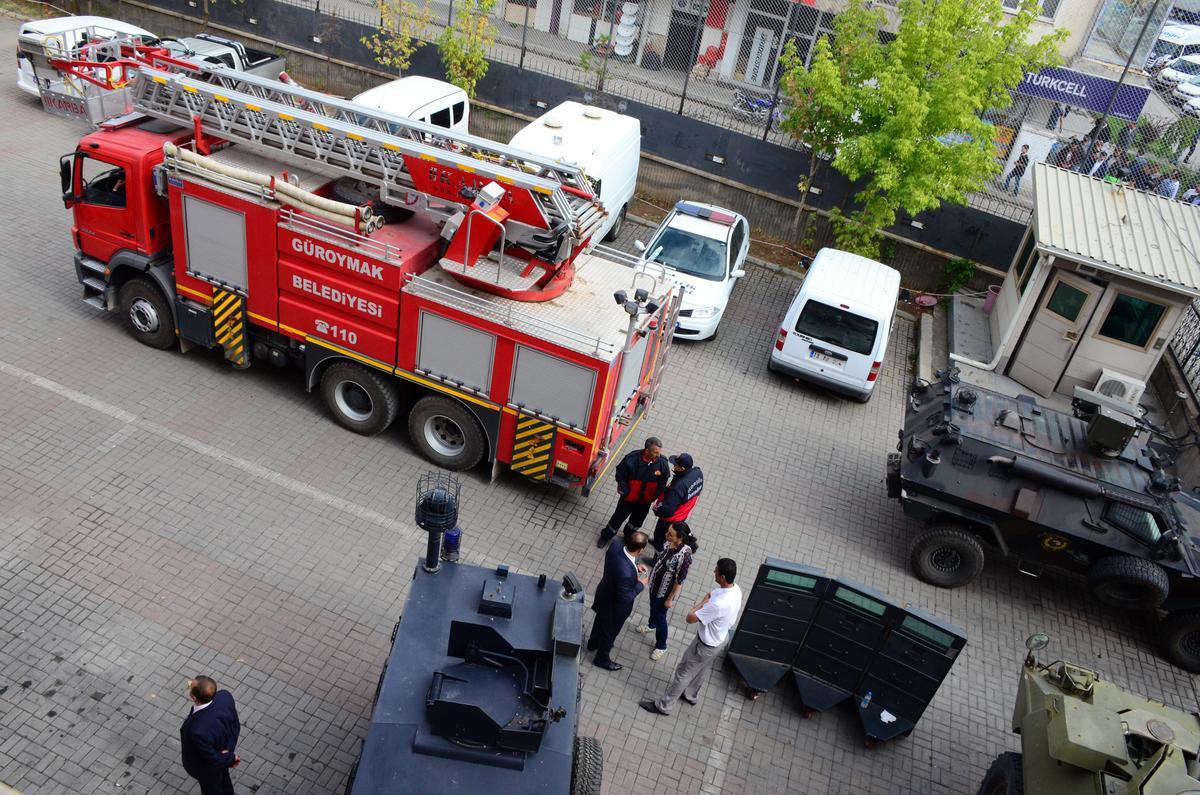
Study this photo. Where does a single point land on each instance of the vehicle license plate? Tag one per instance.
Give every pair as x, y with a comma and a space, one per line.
823, 359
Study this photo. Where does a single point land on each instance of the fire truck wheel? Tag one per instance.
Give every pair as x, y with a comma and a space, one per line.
1179, 636
446, 432
1006, 776
587, 766
1129, 583
147, 314
359, 399
615, 230
946, 555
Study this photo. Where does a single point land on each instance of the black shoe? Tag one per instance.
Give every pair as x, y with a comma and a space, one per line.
604, 538
687, 700
591, 646
650, 706
608, 666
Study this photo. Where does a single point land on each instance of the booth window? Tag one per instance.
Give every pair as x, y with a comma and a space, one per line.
1132, 320
1066, 301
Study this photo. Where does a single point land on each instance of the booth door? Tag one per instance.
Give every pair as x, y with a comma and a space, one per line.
1053, 332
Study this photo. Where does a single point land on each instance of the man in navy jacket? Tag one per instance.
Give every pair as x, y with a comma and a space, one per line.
209, 736
641, 477
679, 498
623, 580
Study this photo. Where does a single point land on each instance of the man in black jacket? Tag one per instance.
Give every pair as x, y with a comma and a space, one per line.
679, 498
209, 736
641, 477
624, 578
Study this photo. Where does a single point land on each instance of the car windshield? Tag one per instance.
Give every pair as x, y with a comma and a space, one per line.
837, 327
1162, 48
689, 253
1186, 67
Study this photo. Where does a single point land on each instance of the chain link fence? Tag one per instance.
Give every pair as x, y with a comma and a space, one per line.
1185, 347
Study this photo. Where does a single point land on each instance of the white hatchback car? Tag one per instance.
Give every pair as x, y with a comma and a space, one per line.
704, 248
66, 33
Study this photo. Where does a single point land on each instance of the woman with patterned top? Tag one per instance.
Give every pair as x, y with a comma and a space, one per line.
666, 579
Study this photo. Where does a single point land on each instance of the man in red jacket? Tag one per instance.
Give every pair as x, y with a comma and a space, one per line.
679, 498
641, 476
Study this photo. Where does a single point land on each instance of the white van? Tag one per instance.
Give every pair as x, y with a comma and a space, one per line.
424, 99
836, 331
1178, 71
1175, 41
67, 33
607, 146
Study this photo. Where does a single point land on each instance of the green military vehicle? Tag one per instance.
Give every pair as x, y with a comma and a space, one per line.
1081, 735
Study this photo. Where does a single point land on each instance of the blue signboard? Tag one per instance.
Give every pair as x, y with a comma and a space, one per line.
1081, 90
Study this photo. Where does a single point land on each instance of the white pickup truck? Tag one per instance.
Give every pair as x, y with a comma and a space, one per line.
226, 52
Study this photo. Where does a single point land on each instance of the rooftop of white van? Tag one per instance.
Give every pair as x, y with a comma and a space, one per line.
853, 278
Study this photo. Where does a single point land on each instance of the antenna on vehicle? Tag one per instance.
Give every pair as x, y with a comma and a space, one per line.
436, 512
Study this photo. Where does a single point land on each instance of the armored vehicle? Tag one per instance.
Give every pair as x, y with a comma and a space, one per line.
1049, 490
480, 692
1082, 735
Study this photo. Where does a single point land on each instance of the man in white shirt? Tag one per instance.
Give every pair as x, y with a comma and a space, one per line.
716, 614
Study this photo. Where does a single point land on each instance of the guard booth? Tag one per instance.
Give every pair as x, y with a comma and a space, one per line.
1094, 294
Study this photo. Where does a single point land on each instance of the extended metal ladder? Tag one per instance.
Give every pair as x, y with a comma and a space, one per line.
391, 152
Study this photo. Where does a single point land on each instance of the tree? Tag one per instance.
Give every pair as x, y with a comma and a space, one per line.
403, 26
464, 45
905, 115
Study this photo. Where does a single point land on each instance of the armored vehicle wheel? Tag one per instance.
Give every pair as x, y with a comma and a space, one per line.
946, 555
587, 766
446, 432
1006, 776
146, 313
1179, 636
360, 399
1128, 583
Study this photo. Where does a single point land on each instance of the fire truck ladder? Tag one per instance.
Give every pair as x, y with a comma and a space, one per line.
553, 213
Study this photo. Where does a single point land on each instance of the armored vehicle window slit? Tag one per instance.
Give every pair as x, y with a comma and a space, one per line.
1134, 521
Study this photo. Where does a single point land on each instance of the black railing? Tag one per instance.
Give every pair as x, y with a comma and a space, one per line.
1185, 347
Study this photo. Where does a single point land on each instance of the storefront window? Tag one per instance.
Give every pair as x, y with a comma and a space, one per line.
1132, 320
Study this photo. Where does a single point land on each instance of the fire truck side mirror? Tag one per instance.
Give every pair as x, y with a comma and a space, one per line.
65, 178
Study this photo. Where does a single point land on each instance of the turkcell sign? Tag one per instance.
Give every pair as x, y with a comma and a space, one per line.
1081, 90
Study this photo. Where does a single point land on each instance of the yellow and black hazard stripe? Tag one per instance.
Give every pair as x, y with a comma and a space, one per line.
533, 444
229, 325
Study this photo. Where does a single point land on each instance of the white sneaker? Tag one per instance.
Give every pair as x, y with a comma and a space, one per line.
658, 654
645, 629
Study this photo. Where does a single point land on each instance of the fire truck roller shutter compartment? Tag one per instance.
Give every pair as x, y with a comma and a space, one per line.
216, 243
455, 353
546, 390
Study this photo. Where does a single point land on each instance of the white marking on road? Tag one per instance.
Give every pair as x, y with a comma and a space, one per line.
134, 424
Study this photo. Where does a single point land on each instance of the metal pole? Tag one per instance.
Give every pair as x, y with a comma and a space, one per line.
524, 30
687, 74
450, 14
1120, 81
612, 23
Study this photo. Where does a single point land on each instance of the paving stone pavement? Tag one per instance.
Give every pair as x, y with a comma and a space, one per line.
162, 515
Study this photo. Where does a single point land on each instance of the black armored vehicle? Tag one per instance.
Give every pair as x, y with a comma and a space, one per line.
480, 693
1085, 492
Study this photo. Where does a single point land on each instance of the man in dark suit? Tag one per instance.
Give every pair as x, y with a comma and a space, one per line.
613, 601
209, 736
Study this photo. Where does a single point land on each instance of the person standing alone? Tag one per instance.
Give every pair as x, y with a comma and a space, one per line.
209, 736
641, 477
1018, 170
716, 614
679, 498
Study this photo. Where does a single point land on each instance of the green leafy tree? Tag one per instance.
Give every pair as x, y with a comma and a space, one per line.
905, 115
464, 44
403, 27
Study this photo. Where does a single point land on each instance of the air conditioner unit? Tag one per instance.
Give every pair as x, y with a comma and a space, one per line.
1120, 387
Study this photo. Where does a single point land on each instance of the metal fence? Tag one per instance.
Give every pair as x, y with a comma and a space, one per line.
1185, 347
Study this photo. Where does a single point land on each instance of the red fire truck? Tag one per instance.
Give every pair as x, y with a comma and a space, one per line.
231, 211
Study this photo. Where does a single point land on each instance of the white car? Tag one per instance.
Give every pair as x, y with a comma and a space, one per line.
1177, 71
67, 33
1186, 91
704, 248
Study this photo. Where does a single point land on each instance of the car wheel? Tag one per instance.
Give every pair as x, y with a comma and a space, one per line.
446, 432
1006, 776
614, 231
946, 555
1179, 637
146, 313
360, 399
587, 766
1128, 583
